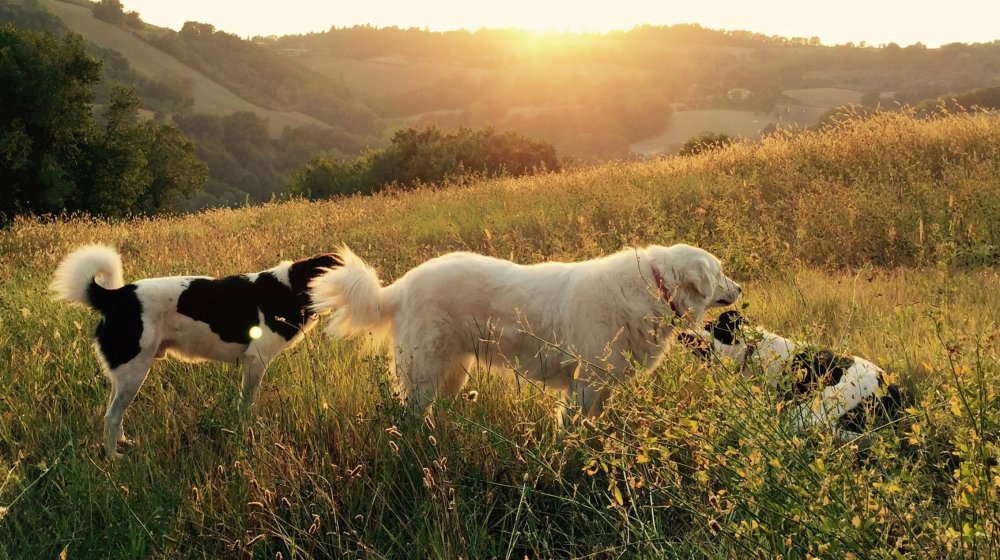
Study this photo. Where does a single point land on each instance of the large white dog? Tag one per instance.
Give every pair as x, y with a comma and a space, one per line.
247, 319
578, 327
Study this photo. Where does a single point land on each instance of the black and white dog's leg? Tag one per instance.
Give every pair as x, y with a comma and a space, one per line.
126, 380
835, 401
253, 371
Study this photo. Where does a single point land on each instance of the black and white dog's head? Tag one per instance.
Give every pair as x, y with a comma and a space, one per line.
301, 272
852, 390
723, 337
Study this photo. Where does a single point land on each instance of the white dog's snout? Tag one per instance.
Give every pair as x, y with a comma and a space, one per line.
729, 291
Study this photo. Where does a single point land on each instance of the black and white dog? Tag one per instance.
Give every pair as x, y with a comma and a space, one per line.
853, 395
247, 319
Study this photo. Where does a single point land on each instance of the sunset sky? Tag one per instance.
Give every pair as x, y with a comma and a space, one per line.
875, 22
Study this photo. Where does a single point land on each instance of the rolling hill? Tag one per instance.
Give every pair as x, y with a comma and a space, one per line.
209, 96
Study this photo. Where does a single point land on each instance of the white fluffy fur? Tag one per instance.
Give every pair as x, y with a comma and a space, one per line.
579, 326
74, 273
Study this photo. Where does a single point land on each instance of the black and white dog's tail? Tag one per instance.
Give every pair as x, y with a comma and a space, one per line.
87, 275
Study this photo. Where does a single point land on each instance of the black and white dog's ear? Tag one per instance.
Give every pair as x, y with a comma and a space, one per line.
322, 260
727, 327
302, 271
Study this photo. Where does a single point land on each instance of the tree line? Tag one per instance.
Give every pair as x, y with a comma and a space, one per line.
62, 152
56, 155
426, 157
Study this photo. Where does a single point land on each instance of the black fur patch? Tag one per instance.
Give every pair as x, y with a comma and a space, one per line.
695, 344
812, 370
227, 305
874, 411
120, 329
230, 305
284, 310
726, 328
301, 272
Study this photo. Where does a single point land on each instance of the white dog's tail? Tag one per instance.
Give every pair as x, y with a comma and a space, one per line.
355, 295
87, 274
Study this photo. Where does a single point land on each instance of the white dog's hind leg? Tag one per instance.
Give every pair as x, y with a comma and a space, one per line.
456, 376
253, 372
126, 380
418, 381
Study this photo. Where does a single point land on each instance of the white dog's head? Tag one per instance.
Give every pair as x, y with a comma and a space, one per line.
691, 280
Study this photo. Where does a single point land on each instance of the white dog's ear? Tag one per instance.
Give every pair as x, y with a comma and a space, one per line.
695, 285
697, 279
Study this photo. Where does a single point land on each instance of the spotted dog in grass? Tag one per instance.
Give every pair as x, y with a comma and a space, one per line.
247, 319
853, 393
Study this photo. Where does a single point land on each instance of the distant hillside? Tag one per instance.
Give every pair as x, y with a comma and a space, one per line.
639, 91
259, 109
209, 96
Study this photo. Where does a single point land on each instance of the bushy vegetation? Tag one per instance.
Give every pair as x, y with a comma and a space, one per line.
56, 156
245, 164
877, 236
426, 157
705, 141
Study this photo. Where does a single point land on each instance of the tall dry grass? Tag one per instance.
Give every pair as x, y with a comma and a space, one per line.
878, 237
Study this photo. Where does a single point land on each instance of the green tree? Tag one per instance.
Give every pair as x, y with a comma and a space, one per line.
139, 167
176, 172
426, 156
55, 156
118, 171
323, 177
45, 119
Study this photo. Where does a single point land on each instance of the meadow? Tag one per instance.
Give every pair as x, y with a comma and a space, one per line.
879, 237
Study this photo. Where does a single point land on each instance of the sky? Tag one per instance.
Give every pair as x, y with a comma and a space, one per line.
874, 22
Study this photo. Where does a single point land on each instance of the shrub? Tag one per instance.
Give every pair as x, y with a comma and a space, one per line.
704, 142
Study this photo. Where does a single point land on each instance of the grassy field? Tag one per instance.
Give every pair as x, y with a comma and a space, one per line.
808, 106
879, 238
685, 125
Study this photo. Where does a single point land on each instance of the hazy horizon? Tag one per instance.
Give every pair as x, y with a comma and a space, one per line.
960, 21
